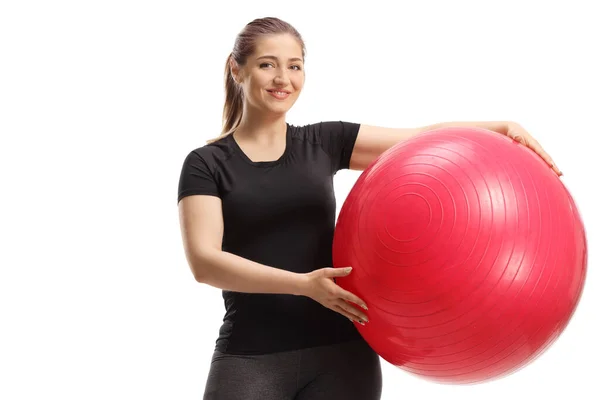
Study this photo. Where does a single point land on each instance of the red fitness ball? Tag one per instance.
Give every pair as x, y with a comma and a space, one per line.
468, 250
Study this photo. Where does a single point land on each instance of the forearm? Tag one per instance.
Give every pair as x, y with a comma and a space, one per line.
228, 271
496, 126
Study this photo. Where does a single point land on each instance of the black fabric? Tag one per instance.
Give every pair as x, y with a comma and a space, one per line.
346, 371
282, 214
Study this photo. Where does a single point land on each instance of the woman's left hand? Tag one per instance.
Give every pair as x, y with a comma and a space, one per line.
518, 133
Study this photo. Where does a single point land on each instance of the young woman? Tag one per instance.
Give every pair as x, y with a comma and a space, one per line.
257, 213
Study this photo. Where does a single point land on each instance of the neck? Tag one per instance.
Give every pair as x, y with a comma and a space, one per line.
261, 126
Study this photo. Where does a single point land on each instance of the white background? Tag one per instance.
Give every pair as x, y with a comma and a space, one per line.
100, 101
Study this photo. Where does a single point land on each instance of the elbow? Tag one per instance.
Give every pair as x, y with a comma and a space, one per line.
200, 266
199, 275
199, 271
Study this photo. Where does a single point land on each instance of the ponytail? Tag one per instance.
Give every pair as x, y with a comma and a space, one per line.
234, 103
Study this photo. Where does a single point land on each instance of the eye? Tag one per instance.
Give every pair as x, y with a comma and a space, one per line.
297, 67
264, 65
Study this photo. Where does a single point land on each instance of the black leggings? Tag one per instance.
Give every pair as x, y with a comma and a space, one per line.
345, 371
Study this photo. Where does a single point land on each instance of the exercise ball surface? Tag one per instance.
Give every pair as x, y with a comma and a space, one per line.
468, 250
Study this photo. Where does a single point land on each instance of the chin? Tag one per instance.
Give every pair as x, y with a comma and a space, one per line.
278, 110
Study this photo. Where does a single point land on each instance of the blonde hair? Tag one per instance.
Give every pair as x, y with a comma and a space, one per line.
245, 45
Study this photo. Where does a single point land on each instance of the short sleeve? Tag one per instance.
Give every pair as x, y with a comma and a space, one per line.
338, 139
196, 177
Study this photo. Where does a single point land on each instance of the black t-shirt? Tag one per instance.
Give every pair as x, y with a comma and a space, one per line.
282, 214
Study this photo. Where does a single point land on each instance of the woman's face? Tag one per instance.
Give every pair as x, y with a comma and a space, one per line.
273, 76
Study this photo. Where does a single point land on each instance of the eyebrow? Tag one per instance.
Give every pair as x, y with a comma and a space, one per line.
275, 58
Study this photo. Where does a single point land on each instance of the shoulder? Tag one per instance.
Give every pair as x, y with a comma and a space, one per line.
211, 153
200, 170
323, 132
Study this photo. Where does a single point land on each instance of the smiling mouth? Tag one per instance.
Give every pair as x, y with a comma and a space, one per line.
279, 94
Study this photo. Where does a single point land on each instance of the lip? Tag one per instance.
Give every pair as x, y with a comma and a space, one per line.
273, 92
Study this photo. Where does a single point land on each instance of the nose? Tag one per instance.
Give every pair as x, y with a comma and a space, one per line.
281, 78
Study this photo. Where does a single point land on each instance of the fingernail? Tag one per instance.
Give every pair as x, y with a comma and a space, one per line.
364, 306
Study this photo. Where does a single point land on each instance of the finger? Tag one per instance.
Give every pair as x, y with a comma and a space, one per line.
344, 313
519, 138
535, 146
334, 272
355, 312
554, 167
346, 295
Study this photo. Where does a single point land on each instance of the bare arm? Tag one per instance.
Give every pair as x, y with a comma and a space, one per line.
372, 141
201, 221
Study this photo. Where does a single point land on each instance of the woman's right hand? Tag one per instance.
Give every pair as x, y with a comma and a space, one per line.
321, 287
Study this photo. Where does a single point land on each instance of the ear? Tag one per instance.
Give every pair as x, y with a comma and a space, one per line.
235, 70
